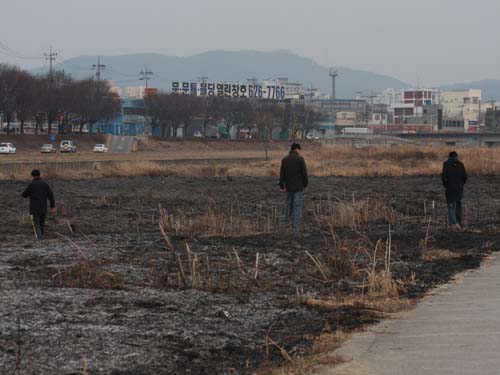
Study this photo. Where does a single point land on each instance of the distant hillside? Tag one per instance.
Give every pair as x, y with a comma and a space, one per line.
490, 88
231, 66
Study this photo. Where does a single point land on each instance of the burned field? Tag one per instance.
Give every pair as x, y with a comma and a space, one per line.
177, 275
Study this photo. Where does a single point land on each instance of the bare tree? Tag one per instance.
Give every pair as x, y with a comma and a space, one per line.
189, 107
95, 102
159, 106
171, 111
8, 91
211, 109
311, 117
267, 115
237, 114
27, 99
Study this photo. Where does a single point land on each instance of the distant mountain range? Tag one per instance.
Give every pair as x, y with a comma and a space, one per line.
241, 65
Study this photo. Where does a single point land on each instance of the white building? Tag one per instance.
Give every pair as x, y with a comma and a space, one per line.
136, 92
389, 97
461, 110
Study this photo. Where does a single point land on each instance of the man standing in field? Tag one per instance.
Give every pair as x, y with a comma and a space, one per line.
454, 178
38, 192
293, 181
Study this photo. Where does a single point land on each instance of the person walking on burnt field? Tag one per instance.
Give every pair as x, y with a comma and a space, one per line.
38, 191
454, 178
293, 181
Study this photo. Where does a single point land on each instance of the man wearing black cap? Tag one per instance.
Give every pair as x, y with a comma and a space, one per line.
454, 178
293, 181
38, 192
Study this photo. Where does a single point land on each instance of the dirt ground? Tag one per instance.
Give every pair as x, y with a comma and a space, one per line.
102, 292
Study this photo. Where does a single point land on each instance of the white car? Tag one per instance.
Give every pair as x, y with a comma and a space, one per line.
100, 148
67, 146
7, 148
48, 148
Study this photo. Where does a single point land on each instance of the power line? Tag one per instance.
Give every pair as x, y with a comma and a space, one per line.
122, 74
6, 50
127, 80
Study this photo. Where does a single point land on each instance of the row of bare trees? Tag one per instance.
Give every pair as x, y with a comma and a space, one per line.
55, 99
170, 112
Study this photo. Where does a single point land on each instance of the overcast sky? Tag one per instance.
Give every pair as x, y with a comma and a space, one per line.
430, 41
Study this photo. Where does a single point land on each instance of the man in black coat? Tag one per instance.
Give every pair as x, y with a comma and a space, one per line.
38, 192
454, 178
293, 181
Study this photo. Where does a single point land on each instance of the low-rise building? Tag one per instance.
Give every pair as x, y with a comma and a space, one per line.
461, 110
492, 118
412, 104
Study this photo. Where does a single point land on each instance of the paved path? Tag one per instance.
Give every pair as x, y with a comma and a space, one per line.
455, 331
121, 143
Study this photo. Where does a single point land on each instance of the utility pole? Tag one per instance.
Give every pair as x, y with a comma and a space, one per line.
334, 74
51, 57
145, 76
98, 68
203, 78
310, 91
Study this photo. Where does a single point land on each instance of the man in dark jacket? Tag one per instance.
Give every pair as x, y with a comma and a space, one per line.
38, 192
454, 178
293, 181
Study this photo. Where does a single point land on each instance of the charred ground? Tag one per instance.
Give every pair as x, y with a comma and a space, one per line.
102, 290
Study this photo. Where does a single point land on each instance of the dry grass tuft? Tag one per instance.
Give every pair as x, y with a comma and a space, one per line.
214, 221
379, 290
86, 273
376, 304
198, 271
321, 355
438, 254
351, 213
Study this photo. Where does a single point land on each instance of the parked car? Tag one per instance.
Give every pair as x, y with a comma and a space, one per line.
100, 148
7, 148
48, 148
67, 146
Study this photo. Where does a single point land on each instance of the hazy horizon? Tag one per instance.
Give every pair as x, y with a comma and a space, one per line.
427, 42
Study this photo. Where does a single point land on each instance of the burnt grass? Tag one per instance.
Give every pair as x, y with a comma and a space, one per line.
133, 317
